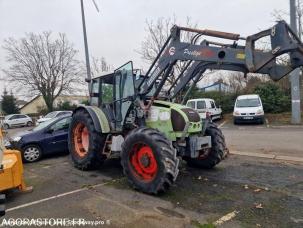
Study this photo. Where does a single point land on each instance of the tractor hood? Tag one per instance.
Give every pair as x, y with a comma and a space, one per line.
173, 119
169, 104
189, 114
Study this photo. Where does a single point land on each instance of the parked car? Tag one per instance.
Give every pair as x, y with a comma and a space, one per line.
17, 120
48, 138
205, 107
52, 115
248, 108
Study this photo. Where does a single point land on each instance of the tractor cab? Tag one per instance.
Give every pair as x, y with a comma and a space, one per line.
114, 93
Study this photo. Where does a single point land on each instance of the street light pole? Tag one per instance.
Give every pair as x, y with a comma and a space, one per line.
295, 75
88, 70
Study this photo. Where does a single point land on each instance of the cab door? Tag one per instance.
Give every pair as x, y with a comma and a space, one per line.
124, 90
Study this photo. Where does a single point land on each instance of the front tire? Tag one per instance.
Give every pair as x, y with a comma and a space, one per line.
149, 160
29, 124
31, 153
216, 153
5, 126
85, 143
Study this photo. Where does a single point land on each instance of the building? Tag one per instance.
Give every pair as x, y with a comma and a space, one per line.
37, 104
217, 86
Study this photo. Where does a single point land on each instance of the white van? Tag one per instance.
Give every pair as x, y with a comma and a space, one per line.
248, 108
204, 107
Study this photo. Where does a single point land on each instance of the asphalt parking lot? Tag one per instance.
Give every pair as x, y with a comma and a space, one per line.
241, 191
283, 140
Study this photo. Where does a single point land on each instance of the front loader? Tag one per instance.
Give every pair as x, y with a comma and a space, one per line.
132, 116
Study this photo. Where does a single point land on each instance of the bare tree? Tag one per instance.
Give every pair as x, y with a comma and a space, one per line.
100, 65
284, 15
157, 33
43, 65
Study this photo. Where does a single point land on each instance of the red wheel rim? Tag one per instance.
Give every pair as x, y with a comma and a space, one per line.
143, 162
81, 139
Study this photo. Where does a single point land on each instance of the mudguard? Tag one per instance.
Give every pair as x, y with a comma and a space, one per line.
99, 119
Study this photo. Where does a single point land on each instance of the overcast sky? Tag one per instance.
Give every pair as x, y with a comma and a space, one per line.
117, 31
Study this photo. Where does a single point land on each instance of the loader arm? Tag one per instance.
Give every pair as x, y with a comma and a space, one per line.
213, 55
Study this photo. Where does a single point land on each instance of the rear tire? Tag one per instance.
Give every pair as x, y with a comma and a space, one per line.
85, 143
217, 152
149, 160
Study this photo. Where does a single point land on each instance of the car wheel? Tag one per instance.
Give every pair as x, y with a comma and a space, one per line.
235, 122
29, 124
31, 153
6, 126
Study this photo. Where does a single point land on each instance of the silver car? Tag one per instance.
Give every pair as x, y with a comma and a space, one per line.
53, 115
17, 120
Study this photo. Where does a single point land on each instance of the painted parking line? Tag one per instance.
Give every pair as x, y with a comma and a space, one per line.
267, 123
270, 156
53, 197
226, 218
221, 125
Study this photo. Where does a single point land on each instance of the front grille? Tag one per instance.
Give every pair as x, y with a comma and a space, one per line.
177, 120
192, 115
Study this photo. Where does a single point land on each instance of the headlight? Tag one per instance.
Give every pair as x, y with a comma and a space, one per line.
17, 139
164, 116
236, 113
7, 143
260, 112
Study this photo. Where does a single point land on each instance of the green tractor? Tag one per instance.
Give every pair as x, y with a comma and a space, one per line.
132, 116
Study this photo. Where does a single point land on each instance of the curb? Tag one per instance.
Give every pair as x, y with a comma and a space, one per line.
269, 156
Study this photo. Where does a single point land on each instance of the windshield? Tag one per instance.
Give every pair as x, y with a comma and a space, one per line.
7, 117
44, 124
50, 115
251, 102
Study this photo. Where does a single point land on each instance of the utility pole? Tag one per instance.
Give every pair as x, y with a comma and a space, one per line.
295, 75
88, 71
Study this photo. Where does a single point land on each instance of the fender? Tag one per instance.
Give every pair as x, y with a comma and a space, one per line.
99, 119
205, 124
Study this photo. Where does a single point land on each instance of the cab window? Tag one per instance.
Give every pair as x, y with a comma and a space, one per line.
107, 93
95, 92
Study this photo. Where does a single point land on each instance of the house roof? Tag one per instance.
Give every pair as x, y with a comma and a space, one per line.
35, 98
29, 102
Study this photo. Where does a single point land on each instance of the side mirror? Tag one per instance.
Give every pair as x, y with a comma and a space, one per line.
49, 131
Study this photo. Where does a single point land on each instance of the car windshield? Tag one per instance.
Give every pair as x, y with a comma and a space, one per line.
7, 117
250, 102
50, 115
44, 124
